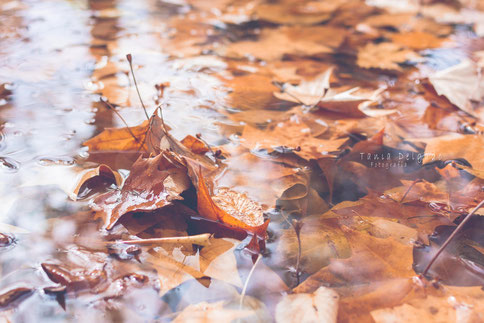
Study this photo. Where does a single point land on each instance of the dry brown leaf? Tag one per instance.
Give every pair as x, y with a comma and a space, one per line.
143, 138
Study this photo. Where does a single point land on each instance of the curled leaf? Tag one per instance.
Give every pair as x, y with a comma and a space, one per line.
102, 172
231, 208
152, 184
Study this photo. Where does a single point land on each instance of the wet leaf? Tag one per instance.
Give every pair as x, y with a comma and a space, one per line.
87, 178
320, 306
385, 56
143, 138
461, 84
167, 180
230, 208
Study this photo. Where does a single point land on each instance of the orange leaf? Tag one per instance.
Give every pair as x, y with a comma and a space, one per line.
208, 209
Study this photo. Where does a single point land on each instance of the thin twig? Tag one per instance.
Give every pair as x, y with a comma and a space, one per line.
112, 108
449, 239
129, 58
409, 189
199, 239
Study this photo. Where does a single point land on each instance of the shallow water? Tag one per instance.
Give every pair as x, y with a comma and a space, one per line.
58, 57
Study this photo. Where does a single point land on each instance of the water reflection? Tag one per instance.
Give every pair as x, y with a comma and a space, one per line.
60, 56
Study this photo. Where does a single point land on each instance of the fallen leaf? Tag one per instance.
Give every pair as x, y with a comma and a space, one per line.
167, 180
145, 137
195, 145
233, 209
461, 84
102, 172
210, 312
320, 306
467, 147
417, 40
385, 56
294, 40
307, 92
293, 134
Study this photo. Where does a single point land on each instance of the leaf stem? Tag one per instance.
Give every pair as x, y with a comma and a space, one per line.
449, 239
129, 58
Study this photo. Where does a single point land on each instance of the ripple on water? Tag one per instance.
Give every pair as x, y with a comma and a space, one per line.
58, 160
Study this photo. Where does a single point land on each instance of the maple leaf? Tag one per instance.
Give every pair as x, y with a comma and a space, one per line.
320, 241
317, 92
385, 56
296, 40
455, 146
210, 312
233, 209
294, 134
320, 306
216, 260
103, 172
153, 183
461, 84
145, 137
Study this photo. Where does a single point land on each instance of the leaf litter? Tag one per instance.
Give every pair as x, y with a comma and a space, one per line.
342, 152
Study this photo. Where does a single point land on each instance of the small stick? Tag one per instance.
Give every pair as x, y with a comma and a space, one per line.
199, 137
129, 58
409, 189
199, 239
449, 239
120, 117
